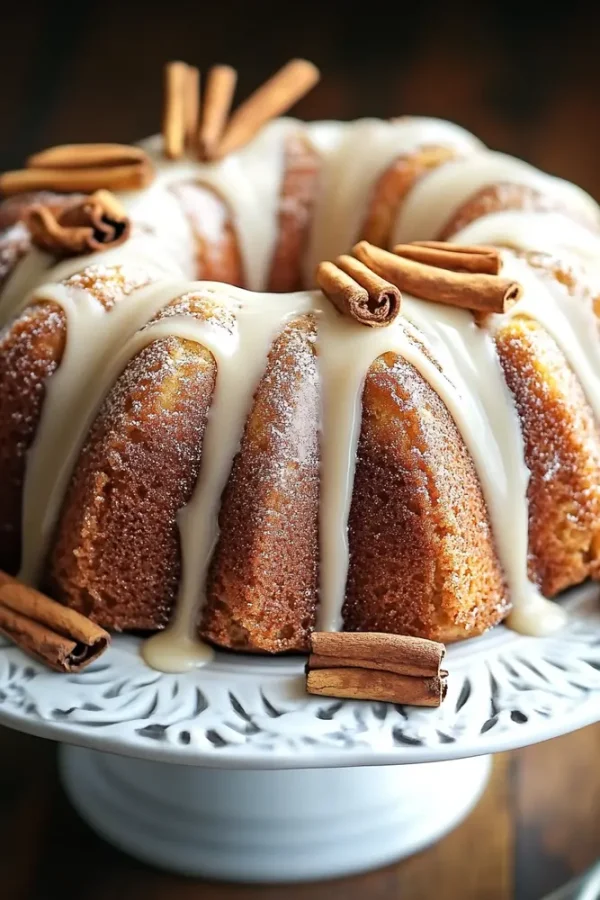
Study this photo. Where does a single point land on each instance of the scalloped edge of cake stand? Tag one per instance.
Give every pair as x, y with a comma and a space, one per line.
505, 691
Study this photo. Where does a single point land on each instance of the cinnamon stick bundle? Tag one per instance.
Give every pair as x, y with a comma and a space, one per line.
53, 634
93, 223
358, 292
469, 290
81, 167
372, 666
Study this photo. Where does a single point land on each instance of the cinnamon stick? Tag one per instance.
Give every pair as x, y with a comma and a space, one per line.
53, 634
373, 666
95, 223
192, 106
385, 299
81, 167
83, 156
218, 97
272, 99
175, 109
397, 653
357, 292
456, 257
367, 684
481, 292
127, 177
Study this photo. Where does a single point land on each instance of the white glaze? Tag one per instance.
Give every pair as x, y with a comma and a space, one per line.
99, 344
259, 318
434, 199
363, 151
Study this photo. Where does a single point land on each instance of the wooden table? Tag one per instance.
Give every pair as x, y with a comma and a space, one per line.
536, 826
525, 78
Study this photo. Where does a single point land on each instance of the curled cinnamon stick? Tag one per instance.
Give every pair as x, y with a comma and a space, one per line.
53, 634
384, 298
272, 99
456, 257
366, 684
220, 87
358, 292
481, 292
95, 223
373, 666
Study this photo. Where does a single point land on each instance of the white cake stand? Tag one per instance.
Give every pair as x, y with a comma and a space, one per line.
233, 772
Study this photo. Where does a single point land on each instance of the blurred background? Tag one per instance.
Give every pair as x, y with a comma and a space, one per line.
525, 78
522, 75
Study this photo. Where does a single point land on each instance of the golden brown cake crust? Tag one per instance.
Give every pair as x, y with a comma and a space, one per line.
392, 188
262, 585
31, 348
218, 256
116, 556
299, 188
497, 198
422, 558
15, 242
562, 452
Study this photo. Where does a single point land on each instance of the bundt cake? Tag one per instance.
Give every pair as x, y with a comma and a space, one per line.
243, 467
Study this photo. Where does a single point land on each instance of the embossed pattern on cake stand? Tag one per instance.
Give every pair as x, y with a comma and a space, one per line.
234, 772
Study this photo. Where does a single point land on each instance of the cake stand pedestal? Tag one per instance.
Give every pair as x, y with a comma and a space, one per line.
287, 825
234, 772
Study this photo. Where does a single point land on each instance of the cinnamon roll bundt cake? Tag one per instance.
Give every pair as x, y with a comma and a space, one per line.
193, 436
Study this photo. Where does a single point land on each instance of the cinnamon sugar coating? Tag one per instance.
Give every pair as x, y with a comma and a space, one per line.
562, 452
500, 197
262, 585
422, 557
31, 349
15, 242
116, 556
218, 254
422, 554
109, 284
393, 187
302, 168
